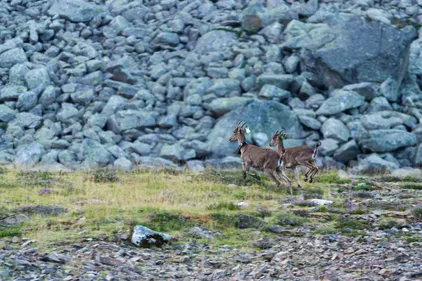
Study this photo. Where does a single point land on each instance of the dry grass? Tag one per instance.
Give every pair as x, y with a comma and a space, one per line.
102, 204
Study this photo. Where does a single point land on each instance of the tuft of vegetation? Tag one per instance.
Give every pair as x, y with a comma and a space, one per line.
388, 224
165, 221
417, 212
390, 178
363, 186
35, 178
290, 219
228, 177
358, 212
349, 225
325, 231
331, 177
10, 232
412, 186
322, 209
3, 170
104, 176
223, 206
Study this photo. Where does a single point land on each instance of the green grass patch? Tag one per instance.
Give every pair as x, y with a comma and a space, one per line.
290, 219
10, 232
363, 186
388, 224
167, 221
351, 223
389, 178
223, 206
325, 230
358, 212
413, 239
331, 177
412, 186
34, 178
104, 176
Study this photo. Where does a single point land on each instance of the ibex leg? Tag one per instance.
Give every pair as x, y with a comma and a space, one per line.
297, 177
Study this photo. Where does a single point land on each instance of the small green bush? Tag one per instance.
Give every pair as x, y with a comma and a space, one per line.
104, 176
223, 206
289, 219
331, 177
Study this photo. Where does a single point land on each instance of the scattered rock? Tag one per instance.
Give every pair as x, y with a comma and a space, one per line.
145, 237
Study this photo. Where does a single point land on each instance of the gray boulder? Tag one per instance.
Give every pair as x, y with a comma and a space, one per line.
273, 92
75, 10
367, 90
11, 92
28, 155
378, 104
340, 101
27, 101
131, 119
310, 122
348, 49
221, 106
418, 156
95, 154
37, 79
328, 147
348, 151
12, 57
282, 81
67, 112
215, 41
386, 140
335, 129
166, 39
374, 163
145, 237
6, 114
222, 87
261, 116
122, 164
176, 152
380, 120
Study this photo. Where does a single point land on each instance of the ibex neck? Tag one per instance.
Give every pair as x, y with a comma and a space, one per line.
280, 146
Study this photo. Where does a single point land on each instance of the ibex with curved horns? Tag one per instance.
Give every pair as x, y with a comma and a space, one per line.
257, 157
294, 157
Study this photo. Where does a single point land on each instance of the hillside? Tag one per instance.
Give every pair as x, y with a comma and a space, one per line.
88, 84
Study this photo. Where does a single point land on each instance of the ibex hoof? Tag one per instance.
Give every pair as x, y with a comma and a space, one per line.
299, 186
311, 180
305, 179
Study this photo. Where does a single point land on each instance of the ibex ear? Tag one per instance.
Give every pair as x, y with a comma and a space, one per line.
247, 130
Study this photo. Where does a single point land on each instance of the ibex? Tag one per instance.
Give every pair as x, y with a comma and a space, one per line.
294, 157
257, 157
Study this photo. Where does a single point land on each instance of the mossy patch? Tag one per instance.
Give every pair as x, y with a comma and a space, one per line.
331, 177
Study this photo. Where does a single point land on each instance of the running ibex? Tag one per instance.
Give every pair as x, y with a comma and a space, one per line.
294, 157
257, 157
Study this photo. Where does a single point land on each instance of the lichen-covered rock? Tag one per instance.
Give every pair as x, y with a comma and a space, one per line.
221, 106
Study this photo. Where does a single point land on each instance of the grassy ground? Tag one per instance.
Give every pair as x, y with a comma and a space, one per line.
70, 207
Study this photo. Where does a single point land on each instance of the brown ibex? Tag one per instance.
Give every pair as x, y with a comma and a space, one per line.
294, 157
257, 157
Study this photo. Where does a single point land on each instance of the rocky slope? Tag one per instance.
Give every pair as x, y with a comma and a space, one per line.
87, 84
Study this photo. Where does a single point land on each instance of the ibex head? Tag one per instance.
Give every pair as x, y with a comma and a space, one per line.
239, 132
275, 138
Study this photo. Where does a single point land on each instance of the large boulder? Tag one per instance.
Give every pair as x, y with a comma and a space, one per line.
386, 140
223, 105
75, 10
374, 163
262, 117
6, 114
95, 154
340, 101
335, 129
349, 49
130, 119
12, 57
215, 41
28, 155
